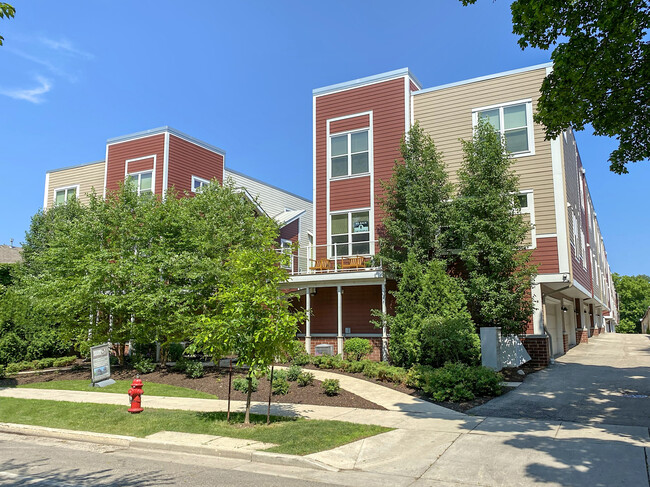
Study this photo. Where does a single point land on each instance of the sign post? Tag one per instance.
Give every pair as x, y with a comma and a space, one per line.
100, 366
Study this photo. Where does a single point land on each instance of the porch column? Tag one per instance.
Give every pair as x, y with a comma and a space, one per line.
538, 310
308, 321
384, 334
339, 316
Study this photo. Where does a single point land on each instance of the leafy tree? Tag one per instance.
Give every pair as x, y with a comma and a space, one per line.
252, 316
601, 69
489, 233
415, 204
634, 300
7, 11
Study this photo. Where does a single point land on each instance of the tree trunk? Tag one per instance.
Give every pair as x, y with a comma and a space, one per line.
247, 417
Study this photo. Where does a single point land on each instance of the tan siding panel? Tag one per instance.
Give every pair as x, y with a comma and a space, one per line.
88, 177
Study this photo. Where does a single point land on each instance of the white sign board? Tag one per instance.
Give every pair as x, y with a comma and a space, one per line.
100, 364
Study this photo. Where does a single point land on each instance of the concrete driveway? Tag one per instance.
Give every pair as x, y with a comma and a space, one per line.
598, 382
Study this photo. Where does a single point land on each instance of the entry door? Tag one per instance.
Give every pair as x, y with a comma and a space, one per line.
555, 327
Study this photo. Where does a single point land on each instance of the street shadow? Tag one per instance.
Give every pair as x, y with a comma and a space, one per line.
39, 472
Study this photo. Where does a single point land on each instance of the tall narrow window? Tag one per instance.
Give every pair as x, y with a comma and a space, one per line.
142, 181
349, 154
513, 123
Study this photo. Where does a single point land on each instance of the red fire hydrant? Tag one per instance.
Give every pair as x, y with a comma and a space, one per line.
135, 394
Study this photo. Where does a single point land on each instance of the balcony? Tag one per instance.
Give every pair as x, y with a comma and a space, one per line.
332, 259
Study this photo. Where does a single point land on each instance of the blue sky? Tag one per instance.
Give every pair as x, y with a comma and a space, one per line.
239, 75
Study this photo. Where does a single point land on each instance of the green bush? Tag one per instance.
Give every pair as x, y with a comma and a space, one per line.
180, 365
305, 379
331, 387
45, 344
328, 361
293, 372
389, 373
354, 367
416, 374
357, 348
144, 365
302, 359
175, 352
280, 386
241, 384
2, 372
12, 348
458, 382
13, 368
450, 339
64, 361
46, 363
279, 375
371, 369
194, 370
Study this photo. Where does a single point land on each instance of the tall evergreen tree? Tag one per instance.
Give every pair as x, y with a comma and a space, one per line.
490, 232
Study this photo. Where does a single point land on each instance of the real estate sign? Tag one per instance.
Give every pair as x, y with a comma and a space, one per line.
100, 365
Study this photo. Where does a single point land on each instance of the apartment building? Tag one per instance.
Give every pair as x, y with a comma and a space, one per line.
160, 159
357, 128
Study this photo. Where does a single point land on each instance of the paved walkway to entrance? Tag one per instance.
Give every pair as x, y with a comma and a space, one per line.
604, 381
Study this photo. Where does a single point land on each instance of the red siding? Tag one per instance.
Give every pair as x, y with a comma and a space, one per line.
546, 256
143, 165
119, 152
350, 124
187, 159
386, 101
290, 231
352, 193
324, 310
413, 86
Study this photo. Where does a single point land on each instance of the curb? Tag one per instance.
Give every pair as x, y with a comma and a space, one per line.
145, 444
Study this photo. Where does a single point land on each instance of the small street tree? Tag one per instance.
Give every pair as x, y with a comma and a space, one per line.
489, 233
252, 317
634, 300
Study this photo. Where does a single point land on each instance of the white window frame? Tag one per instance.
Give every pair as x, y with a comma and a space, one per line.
66, 195
371, 243
530, 210
348, 134
204, 182
529, 123
286, 244
139, 173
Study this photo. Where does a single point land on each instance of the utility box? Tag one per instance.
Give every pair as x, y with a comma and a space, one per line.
324, 349
499, 351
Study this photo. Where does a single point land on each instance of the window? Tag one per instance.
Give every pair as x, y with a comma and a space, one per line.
142, 181
287, 249
198, 183
349, 154
513, 122
527, 211
63, 195
350, 233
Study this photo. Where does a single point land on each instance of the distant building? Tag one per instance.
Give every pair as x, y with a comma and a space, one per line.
10, 254
645, 321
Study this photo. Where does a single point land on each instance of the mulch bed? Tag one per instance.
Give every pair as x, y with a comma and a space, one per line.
214, 382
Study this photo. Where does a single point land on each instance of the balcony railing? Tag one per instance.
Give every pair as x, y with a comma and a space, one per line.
332, 258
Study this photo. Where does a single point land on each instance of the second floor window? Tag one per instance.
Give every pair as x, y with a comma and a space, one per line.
349, 154
142, 181
198, 183
514, 123
350, 233
63, 195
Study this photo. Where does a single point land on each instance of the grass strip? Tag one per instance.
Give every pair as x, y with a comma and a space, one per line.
121, 387
294, 436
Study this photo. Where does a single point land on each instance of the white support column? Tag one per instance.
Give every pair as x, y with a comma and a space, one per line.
538, 312
308, 321
339, 315
384, 332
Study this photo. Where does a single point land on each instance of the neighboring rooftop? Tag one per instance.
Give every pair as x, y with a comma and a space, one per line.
10, 254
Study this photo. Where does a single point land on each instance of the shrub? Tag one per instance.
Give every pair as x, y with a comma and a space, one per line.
302, 359
279, 375
2, 372
305, 379
241, 384
12, 348
416, 374
180, 365
389, 373
357, 348
371, 369
331, 387
451, 339
194, 370
13, 368
64, 361
144, 365
293, 372
175, 352
458, 382
328, 361
355, 367
280, 386
46, 363
46, 343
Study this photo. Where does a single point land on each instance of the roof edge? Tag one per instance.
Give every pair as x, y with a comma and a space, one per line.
238, 173
376, 78
75, 166
162, 130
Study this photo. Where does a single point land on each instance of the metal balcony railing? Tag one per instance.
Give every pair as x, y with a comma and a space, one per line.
332, 258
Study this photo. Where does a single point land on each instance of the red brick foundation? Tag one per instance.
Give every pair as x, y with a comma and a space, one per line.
582, 336
565, 339
538, 349
596, 332
375, 341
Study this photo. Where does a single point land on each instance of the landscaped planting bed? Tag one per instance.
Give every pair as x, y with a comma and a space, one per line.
213, 382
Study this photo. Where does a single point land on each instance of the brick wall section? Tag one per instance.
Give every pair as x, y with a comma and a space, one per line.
538, 349
565, 339
375, 341
596, 331
582, 336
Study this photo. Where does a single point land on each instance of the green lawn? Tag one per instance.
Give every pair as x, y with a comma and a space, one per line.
121, 387
293, 436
